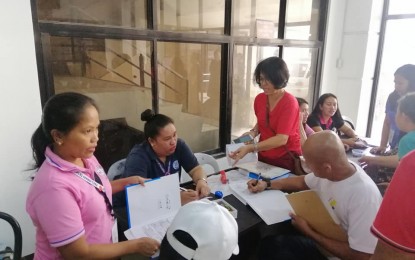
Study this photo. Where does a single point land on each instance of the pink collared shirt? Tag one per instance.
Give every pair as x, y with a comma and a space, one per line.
63, 206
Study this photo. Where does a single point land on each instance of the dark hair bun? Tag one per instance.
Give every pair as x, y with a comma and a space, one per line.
147, 115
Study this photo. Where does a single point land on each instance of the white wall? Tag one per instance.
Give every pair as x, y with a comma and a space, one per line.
20, 114
350, 54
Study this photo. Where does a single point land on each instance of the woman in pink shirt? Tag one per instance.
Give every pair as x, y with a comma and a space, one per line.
70, 199
305, 130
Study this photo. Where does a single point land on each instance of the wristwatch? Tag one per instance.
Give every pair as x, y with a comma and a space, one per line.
268, 182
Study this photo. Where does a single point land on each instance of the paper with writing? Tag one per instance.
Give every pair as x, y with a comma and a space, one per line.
271, 205
151, 208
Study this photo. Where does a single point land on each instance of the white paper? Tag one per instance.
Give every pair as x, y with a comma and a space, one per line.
266, 170
271, 205
249, 157
150, 208
233, 176
155, 229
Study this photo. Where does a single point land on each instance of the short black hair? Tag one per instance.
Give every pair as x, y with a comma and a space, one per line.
301, 101
275, 70
406, 105
408, 72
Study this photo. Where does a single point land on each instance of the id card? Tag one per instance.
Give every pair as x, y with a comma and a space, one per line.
114, 232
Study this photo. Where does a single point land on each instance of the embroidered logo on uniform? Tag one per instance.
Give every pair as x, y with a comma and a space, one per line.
176, 165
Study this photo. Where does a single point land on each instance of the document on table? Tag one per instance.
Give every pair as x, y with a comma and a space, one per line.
271, 205
266, 170
233, 176
274, 206
151, 208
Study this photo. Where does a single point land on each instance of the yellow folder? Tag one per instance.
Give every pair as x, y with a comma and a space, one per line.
308, 205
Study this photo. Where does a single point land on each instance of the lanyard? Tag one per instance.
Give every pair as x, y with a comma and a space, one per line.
97, 183
162, 168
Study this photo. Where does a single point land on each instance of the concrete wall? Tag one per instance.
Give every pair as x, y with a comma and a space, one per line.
20, 114
350, 54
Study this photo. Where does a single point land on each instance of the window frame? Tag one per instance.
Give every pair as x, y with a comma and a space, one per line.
43, 30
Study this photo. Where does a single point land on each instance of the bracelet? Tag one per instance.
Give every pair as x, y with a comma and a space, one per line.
204, 179
255, 148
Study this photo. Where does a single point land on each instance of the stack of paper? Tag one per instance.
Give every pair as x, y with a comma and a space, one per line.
266, 170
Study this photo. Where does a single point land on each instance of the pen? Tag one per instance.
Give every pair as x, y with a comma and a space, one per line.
183, 189
257, 180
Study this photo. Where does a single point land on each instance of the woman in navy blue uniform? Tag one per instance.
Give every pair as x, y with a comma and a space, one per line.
163, 153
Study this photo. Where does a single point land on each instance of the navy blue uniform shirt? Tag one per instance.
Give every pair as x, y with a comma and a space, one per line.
143, 161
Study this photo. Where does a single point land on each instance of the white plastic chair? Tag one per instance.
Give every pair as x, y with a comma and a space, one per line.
116, 169
204, 160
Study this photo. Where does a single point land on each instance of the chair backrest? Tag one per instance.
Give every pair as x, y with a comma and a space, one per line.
349, 121
17, 252
116, 169
202, 159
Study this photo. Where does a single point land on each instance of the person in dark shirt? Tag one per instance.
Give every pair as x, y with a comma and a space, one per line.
404, 83
161, 154
326, 116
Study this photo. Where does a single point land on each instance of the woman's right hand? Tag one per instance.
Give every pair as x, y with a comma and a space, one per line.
239, 153
378, 150
188, 196
147, 246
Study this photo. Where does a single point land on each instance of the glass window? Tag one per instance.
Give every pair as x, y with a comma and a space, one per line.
189, 91
131, 13
302, 19
245, 89
301, 63
401, 7
252, 16
398, 50
191, 77
116, 73
203, 16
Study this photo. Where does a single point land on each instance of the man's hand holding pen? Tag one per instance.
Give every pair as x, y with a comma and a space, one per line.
257, 185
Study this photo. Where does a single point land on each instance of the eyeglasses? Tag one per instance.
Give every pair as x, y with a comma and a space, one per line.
262, 80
